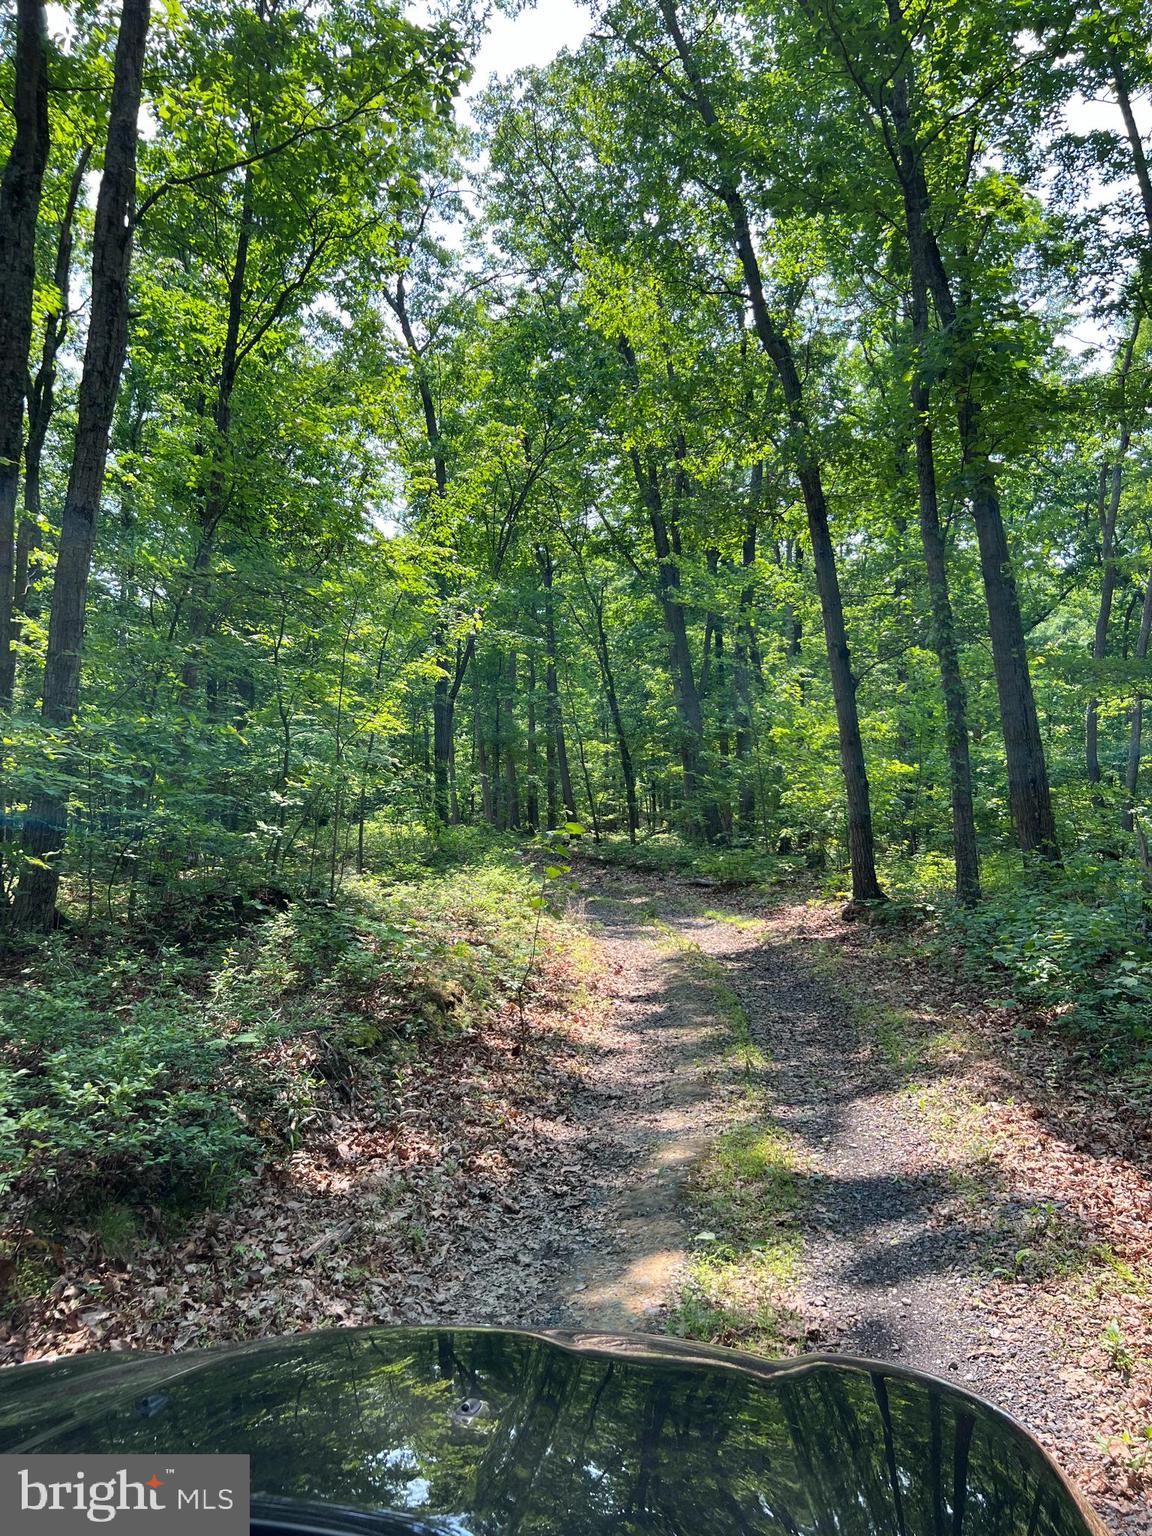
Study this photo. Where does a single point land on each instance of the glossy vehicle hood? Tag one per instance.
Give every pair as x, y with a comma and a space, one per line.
480, 1432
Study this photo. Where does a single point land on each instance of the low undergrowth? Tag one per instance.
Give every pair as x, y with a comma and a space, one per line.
148, 1076
666, 853
1068, 952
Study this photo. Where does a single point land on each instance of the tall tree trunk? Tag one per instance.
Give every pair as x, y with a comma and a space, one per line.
214, 503
35, 901
1135, 142
483, 756
532, 797
42, 396
715, 682
585, 775
509, 677
701, 811
778, 349
366, 764
495, 753
448, 685
567, 793
1103, 615
559, 780
623, 749
700, 805
964, 844
861, 844
742, 649
20, 190
1029, 793
443, 732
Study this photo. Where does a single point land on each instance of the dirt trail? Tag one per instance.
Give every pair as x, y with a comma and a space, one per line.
889, 1251
658, 1094
891, 1265
655, 1092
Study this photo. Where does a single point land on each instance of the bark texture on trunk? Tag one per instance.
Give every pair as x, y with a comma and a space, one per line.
964, 844
1029, 793
35, 901
42, 397
443, 732
20, 191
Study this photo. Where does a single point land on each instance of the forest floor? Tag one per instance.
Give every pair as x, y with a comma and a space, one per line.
731, 1117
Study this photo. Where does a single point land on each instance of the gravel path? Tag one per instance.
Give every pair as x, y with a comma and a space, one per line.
892, 1265
653, 1094
890, 1256
657, 1095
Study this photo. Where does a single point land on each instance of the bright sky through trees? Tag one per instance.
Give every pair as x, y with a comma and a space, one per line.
532, 38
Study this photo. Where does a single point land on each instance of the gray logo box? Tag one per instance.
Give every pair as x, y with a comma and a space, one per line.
129, 1495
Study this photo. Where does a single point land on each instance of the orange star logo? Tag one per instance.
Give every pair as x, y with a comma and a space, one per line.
154, 1482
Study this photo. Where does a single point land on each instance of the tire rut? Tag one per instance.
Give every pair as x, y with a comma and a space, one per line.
893, 1267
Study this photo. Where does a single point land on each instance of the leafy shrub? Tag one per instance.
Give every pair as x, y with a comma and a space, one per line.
384, 965
1076, 944
198, 912
135, 1107
402, 850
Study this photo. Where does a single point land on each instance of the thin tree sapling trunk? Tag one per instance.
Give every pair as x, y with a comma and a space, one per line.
1135, 734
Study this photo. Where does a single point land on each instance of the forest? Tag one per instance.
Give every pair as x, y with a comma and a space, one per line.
719, 452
